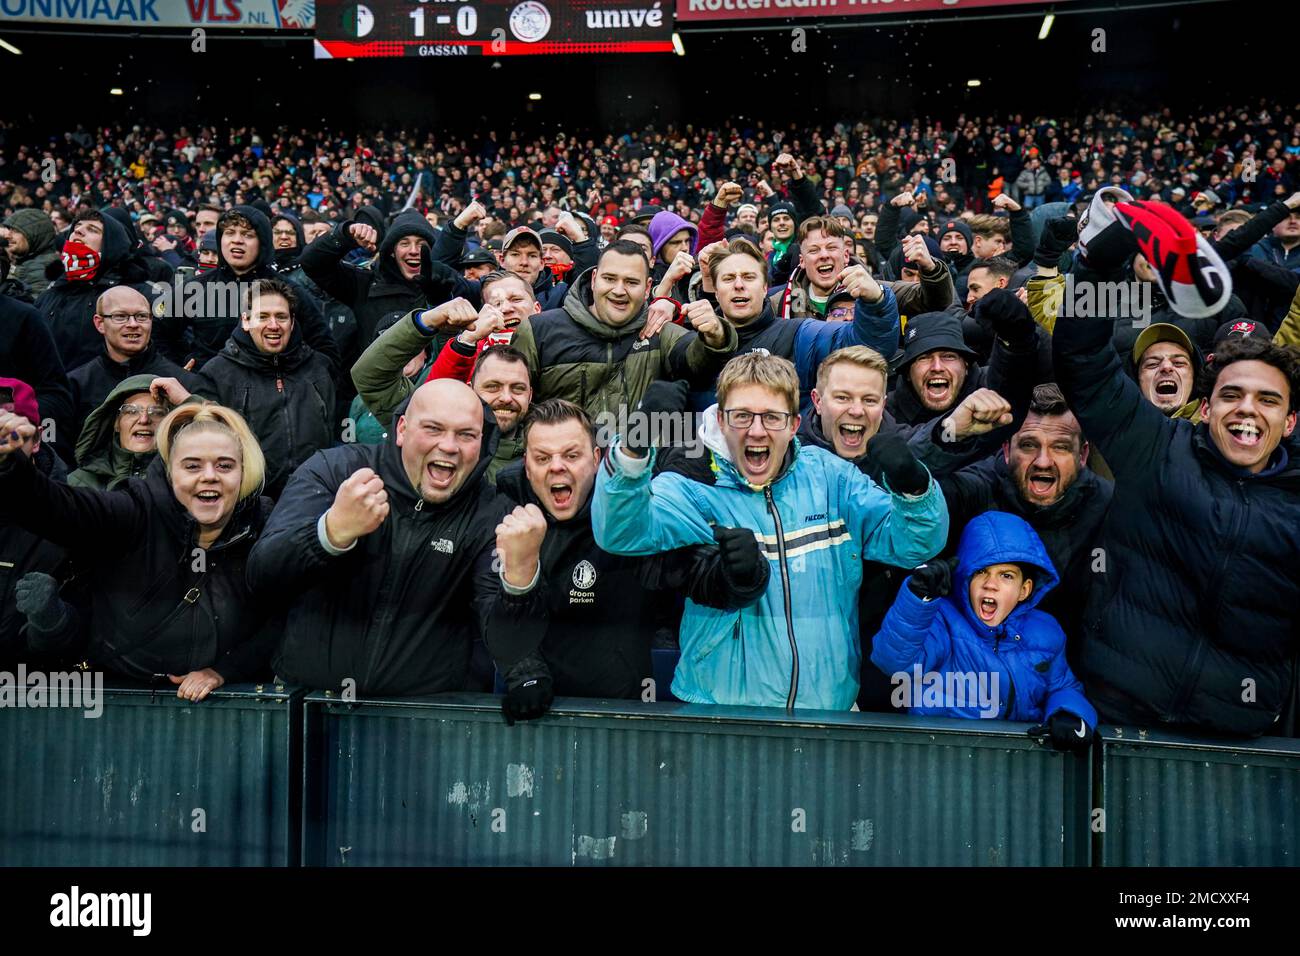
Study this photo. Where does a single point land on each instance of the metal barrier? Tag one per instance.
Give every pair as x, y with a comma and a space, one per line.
443, 780
1179, 801
153, 780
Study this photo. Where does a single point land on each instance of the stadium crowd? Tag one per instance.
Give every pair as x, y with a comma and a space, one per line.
989, 418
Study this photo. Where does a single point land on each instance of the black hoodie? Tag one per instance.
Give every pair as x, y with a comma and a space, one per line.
286, 259
396, 613
378, 294
287, 398
208, 331
69, 306
591, 614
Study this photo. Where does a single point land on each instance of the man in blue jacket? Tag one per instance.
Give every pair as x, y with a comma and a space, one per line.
816, 517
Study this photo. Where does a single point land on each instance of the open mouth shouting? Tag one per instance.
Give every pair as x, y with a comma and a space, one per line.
207, 504
756, 459
441, 472
411, 265
852, 437
938, 390
825, 272
987, 609
1245, 434
1042, 483
561, 495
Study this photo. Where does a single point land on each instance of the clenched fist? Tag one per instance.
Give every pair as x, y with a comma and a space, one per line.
519, 542
981, 411
917, 252
729, 194
857, 282
683, 264
456, 312
470, 215
360, 507
1005, 202
571, 226
364, 236
701, 317
14, 432
489, 320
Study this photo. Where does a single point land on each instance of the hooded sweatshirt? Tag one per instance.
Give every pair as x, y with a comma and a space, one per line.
102, 461
38, 230
1017, 668
69, 305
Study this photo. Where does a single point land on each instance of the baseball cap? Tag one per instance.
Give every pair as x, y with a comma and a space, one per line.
520, 232
1161, 332
478, 257
609, 221
1241, 328
24, 399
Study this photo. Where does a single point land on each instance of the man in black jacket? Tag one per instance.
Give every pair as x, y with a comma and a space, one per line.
124, 320
28, 352
1041, 476
279, 383
208, 309
386, 547
936, 370
1194, 615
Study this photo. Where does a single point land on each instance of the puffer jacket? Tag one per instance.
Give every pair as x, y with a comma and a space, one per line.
1200, 588
573, 355
817, 522
155, 607
1017, 668
287, 399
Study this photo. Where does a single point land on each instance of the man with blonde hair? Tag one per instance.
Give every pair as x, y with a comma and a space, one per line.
816, 518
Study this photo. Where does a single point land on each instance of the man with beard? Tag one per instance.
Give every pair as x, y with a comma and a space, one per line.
384, 546
1042, 476
593, 353
499, 373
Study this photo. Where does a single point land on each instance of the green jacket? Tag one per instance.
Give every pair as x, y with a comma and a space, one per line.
573, 355
102, 461
383, 388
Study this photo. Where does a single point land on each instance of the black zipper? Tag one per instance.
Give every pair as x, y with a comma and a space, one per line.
785, 586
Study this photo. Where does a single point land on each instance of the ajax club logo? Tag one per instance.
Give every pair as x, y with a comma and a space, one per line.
530, 21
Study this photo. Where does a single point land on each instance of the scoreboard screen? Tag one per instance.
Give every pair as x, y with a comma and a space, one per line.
345, 28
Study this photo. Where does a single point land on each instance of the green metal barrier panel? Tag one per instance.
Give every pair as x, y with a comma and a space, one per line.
443, 780
1177, 801
153, 780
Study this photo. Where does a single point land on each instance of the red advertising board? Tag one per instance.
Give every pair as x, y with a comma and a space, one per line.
688, 10
346, 28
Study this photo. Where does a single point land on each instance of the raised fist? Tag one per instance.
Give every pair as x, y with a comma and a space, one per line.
519, 542
364, 236
470, 215
729, 194
857, 282
360, 507
701, 317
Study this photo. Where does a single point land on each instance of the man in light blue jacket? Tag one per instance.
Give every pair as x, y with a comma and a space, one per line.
817, 519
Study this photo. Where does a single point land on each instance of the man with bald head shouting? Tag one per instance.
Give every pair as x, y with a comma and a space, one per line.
378, 550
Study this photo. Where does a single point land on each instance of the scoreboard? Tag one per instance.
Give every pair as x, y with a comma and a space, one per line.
345, 28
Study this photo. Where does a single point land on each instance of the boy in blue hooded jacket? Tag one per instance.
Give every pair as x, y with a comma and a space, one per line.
987, 634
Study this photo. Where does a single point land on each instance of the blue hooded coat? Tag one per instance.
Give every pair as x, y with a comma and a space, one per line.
1026, 652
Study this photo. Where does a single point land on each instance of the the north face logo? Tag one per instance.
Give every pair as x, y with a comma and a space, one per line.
444, 545
761, 352
584, 575
640, 344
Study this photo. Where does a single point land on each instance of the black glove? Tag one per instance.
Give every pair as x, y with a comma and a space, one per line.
905, 475
1064, 730
1057, 236
744, 567
1008, 316
659, 397
528, 690
37, 596
932, 579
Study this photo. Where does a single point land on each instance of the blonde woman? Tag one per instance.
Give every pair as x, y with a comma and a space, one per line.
162, 558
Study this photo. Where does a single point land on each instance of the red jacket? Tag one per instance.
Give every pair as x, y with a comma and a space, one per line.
452, 362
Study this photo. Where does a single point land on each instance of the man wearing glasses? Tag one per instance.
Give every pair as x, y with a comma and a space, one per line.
125, 324
817, 518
